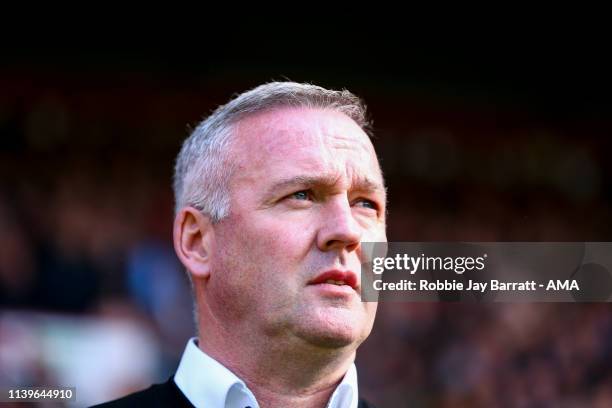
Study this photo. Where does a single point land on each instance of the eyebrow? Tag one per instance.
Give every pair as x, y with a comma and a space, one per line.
361, 184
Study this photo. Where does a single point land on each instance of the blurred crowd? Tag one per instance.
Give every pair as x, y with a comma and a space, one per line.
86, 254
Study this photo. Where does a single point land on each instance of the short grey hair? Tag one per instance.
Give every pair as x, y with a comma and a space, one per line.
203, 167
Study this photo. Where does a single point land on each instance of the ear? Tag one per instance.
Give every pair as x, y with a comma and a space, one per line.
193, 236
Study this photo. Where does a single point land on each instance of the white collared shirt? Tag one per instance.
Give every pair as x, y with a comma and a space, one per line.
208, 384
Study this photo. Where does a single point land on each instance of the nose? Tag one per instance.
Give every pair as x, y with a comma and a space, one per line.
339, 230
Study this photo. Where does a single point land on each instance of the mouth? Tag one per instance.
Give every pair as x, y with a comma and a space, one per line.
338, 278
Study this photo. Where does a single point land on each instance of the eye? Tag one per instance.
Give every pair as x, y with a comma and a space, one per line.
301, 195
365, 203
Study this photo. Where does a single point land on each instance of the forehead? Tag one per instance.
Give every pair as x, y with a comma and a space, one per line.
289, 140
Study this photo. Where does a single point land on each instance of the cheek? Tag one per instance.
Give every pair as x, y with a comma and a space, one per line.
375, 232
258, 260
274, 238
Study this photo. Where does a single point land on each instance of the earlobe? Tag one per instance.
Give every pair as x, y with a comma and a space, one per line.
193, 236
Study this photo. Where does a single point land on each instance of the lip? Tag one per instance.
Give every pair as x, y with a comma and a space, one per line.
348, 277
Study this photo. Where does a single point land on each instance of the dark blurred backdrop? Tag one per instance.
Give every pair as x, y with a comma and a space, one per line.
501, 143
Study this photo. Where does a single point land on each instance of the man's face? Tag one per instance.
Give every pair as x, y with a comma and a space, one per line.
307, 190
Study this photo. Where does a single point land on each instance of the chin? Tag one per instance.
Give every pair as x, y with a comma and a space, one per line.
334, 330
329, 340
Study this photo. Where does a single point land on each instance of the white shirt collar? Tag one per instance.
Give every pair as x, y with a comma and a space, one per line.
207, 383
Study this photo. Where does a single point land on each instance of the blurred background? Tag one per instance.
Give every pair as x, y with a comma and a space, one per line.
493, 144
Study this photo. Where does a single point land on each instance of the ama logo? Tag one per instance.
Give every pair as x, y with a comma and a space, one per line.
562, 285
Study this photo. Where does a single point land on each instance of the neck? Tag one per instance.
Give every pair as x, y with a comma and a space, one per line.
279, 372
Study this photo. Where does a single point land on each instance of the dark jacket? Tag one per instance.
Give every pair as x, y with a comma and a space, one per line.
166, 395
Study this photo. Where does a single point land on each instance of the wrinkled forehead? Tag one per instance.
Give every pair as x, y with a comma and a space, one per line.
308, 138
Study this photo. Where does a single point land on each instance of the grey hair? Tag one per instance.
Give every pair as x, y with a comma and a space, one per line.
203, 167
